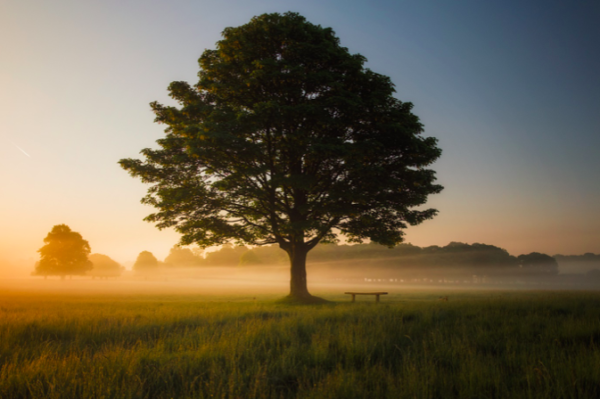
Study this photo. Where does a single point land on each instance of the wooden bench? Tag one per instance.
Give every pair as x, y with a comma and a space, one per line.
354, 294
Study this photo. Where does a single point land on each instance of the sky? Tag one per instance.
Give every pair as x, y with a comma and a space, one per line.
511, 89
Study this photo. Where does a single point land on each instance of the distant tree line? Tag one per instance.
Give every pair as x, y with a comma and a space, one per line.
578, 264
453, 260
66, 253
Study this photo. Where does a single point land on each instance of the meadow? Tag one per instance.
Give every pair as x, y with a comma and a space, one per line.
478, 344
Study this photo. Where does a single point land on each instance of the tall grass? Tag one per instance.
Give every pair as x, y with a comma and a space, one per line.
476, 345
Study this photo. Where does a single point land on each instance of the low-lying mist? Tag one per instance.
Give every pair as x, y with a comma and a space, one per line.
255, 271
253, 281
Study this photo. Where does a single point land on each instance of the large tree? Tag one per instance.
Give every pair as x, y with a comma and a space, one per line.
65, 253
287, 138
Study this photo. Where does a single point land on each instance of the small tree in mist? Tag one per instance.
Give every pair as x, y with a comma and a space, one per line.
185, 257
145, 262
104, 266
228, 255
250, 258
287, 139
65, 254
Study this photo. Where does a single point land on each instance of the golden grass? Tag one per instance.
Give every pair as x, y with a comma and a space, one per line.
475, 345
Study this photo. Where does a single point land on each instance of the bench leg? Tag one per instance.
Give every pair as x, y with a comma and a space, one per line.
376, 298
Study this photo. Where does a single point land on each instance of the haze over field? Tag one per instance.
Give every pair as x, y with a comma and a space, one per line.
511, 91
246, 273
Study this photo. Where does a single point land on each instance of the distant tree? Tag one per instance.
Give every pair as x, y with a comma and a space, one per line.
65, 254
407, 250
266, 255
228, 255
537, 263
480, 258
185, 257
250, 258
287, 139
145, 262
328, 252
270, 255
104, 266
453, 260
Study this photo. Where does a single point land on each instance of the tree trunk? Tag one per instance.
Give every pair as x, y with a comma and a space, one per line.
298, 285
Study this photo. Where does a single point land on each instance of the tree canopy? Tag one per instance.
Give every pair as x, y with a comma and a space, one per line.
104, 266
65, 253
227, 255
145, 262
287, 138
185, 257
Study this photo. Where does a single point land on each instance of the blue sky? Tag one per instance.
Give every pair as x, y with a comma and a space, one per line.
510, 88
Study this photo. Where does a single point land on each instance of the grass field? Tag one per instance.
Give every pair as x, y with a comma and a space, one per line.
476, 345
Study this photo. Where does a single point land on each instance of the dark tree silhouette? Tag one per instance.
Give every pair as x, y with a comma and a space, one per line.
145, 262
287, 138
65, 253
